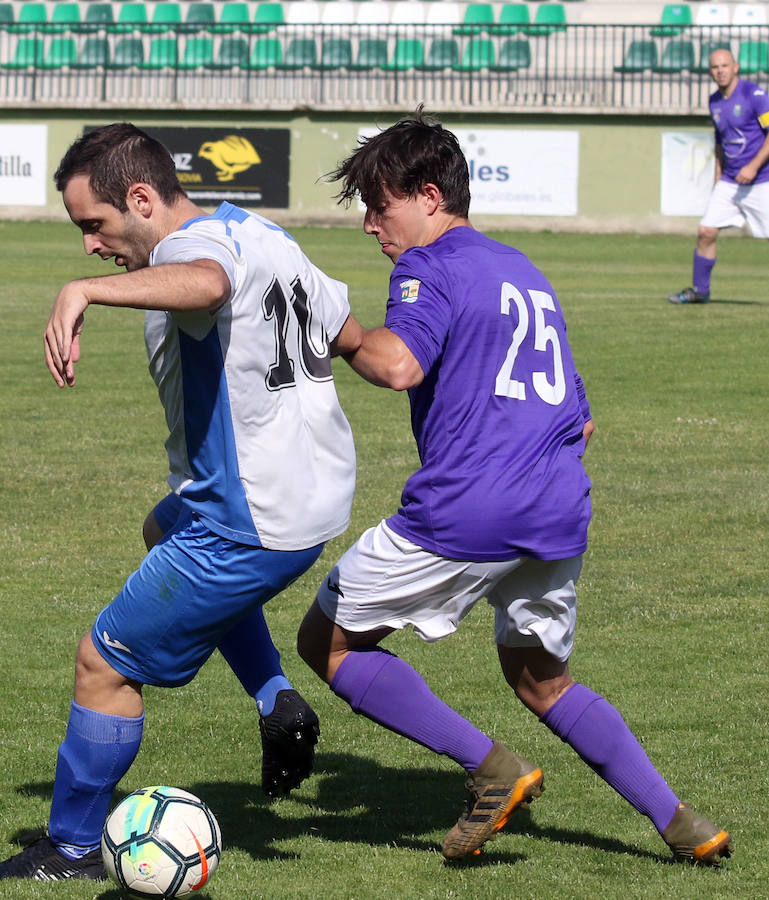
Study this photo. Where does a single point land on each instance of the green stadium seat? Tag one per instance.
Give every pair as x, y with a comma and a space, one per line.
640, 56
267, 17
61, 52
7, 15
32, 17
97, 16
198, 53
372, 54
164, 54
409, 53
479, 54
93, 54
443, 53
476, 19
675, 17
677, 56
512, 18
335, 54
200, 17
514, 54
549, 18
707, 48
29, 52
300, 52
132, 16
233, 17
166, 16
267, 53
129, 52
753, 57
232, 53
65, 17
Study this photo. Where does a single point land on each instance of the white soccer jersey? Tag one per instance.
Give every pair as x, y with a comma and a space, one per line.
259, 446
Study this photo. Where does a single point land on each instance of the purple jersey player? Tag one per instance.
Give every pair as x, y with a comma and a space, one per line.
740, 113
499, 508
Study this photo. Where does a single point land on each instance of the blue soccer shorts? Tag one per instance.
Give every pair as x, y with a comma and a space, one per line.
190, 590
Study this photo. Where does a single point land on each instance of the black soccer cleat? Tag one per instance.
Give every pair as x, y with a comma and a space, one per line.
289, 735
689, 295
41, 861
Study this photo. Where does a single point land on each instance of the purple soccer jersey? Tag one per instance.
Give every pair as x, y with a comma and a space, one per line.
740, 122
498, 418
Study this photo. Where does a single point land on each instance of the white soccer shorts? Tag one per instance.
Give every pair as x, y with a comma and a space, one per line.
732, 205
386, 581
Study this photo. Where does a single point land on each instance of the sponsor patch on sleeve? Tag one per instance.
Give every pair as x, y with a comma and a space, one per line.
763, 120
410, 290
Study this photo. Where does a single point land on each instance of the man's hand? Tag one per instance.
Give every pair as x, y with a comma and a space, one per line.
747, 174
62, 334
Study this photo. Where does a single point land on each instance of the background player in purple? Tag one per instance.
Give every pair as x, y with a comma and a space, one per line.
740, 113
499, 508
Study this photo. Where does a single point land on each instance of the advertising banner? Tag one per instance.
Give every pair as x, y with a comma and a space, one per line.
518, 172
247, 166
23, 165
522, 173
688, 171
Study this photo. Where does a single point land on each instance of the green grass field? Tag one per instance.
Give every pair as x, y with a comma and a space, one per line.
673, 600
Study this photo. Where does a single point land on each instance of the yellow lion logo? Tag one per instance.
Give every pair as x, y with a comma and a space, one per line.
231, 155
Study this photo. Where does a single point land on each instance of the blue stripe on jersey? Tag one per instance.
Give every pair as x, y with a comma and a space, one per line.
216, 490
192, 221
228, 211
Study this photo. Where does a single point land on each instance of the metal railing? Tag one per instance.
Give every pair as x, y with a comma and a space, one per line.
580, 69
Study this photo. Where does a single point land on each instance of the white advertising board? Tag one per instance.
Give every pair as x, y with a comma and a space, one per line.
23, 165
688, 170
519, 172
522, 173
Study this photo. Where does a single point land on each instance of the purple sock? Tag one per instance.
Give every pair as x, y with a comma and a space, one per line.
387, 690
598, 733
701, 274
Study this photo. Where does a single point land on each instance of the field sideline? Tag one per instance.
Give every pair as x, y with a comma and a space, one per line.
673, 597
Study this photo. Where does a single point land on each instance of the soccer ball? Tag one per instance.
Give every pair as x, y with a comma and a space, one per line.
161, 842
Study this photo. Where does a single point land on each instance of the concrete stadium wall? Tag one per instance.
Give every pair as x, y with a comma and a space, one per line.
617, 187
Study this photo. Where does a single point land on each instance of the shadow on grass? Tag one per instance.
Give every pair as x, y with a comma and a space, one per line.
726, 302
360, 801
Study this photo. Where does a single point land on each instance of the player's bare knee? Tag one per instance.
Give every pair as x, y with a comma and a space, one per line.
151, 531
313, 640
706, 238
89, 663
92, 670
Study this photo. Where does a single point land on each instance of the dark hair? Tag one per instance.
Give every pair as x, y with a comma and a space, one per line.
403, 158
115, 157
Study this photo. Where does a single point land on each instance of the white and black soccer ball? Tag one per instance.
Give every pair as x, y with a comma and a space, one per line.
161, 842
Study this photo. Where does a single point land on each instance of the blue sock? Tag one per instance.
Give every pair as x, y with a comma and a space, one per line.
96, 752
252, 656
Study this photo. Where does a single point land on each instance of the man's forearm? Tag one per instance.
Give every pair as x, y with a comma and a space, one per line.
201, 284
